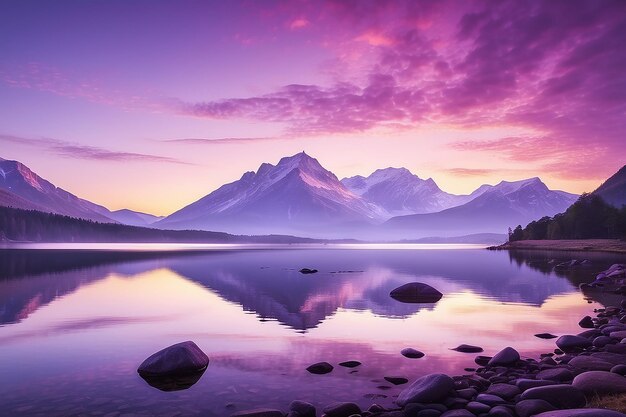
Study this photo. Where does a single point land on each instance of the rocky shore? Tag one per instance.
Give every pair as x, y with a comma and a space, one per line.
582, 368
591, 245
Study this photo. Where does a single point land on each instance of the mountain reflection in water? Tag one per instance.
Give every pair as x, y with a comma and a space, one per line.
77, 324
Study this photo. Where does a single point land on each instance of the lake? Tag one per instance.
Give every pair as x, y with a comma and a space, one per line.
75, 324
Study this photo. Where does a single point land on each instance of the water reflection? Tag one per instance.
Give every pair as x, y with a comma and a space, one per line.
73, 336
268, 283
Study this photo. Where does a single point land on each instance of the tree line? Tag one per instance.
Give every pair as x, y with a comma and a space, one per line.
20, 225
590, 217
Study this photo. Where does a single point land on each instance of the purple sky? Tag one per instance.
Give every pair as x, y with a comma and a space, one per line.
153, 104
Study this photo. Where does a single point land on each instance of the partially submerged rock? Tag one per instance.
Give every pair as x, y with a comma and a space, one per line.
320, 368
411, 353
468, 348
416, 292
350, 364
507, 356
174, 368
308, 271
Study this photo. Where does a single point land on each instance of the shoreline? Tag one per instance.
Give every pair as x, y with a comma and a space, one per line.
581, 245
583, 376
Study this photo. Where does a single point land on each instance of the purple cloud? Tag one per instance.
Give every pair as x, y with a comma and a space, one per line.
70, 150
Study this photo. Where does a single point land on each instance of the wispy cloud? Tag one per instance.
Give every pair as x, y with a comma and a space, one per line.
71, 150
222, 141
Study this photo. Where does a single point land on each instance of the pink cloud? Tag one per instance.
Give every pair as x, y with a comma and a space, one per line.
299, 23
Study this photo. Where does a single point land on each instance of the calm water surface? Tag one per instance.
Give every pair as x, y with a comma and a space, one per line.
75, 324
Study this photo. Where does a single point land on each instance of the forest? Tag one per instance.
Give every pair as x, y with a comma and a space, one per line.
19, 225
588, 218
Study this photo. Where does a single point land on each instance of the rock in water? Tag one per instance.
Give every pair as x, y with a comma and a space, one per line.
507, 356
396, 380
427, 389
350, 364
320, 368
303, 408
600, 383
545, 336
468, 348
308, 271
416, 292
586, 323
174, 368
181, 358
412, 353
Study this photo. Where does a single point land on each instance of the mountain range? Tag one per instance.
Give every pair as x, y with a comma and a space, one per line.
299, 196
22, 188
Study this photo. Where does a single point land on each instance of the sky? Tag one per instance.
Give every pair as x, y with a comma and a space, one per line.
151, 104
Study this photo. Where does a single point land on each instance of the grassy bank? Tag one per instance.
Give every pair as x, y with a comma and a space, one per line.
592, 245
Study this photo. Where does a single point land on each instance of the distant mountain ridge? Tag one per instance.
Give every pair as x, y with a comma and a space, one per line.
492, 210
400, 192
298, 196
22, 188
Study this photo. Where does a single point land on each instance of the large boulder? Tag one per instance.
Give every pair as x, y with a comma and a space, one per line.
529, 408
342, 410
560, 396
583, 412
427, 389
507, 356
416, 292
179, 359
303, 408
600, 382
569, 343
590, 363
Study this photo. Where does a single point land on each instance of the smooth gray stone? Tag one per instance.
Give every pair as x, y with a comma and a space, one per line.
556, 374
429, 389
457, 413
590, 363
528, 408
560, 396
416, 292
619, 369
489, 399
600, 382
181, 358
568, 343
303, 408
525, 384
506, 391
477, 408
411, 353
320, 368
500, 411
341, 409
507, 356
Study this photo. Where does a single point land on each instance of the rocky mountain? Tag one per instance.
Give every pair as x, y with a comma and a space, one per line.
399, 192
493, 210
297, 195
22, 188
613, 190
30, 191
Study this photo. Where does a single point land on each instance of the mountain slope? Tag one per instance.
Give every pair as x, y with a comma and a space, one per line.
296, 195
399, 192
133, 218
18, 180
494, 210
613, 190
